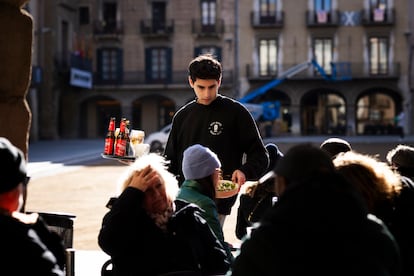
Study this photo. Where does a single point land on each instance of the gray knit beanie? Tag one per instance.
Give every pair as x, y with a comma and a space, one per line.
199, 162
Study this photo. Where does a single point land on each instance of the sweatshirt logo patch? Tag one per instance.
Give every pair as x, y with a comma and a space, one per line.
216, 128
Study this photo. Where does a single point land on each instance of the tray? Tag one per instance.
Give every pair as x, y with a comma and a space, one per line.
119, 158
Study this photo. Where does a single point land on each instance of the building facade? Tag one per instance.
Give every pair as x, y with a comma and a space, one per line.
343, 67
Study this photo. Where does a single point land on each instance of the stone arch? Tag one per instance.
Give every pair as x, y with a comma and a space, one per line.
152, 112
323, 111
95, 113
376, 110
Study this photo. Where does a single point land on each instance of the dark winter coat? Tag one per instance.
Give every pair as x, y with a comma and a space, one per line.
251, 210
29, 249
138, 247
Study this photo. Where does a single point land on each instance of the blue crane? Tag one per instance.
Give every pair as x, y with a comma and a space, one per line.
270, 110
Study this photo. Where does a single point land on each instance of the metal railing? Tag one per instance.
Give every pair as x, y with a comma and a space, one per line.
259, 20
356, 70
156, 27
215, 29
323, 18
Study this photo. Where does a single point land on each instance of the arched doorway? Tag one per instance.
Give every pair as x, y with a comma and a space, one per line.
95, 115
283, 122
376, 111
323, 112
151, 113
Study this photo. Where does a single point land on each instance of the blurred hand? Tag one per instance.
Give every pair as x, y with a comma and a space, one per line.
144, 179
238, 177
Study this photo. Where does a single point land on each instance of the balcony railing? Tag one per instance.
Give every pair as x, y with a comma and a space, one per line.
259, 20
322, 18
108, 27
378, 17
216, 29
153, 27
343, 70
140, 78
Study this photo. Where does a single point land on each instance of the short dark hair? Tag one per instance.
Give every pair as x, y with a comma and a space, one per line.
205, 67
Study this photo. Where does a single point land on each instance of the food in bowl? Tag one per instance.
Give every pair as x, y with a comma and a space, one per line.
226, 188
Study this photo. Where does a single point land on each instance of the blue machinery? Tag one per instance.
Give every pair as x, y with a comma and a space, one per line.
270, 110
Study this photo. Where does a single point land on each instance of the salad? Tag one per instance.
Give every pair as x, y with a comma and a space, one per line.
226, 185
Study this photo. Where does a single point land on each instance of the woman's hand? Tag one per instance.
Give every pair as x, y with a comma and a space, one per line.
144, 178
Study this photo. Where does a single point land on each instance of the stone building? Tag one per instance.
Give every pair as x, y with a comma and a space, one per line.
104, 58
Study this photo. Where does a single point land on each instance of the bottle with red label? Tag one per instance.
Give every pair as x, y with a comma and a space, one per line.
110, 138
121, 140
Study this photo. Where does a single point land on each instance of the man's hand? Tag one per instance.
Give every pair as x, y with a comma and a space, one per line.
238, 177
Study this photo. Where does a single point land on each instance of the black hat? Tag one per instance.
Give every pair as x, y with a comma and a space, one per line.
334, 146
12, 166
302, 161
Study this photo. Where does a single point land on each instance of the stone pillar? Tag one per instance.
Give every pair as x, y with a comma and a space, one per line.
16, 33
295, 112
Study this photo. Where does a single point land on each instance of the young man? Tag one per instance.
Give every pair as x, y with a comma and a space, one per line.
220, 123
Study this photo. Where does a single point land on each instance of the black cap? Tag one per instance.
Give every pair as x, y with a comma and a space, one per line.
334, 146
12, 166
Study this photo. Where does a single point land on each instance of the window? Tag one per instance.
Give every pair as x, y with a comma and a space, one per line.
378, 10
109, 64
215, 51
208, 15
323, 48
268, 50
158, 64
323, 5
267, 11
83, 15
378, 4
323, 11
109, 16
158, 16
378, 56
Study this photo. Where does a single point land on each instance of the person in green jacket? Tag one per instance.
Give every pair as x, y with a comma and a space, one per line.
201, 170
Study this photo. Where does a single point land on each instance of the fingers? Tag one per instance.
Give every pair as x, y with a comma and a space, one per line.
144, 178
238, 177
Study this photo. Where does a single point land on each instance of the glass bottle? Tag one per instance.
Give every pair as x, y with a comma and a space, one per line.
110, 138
120, 148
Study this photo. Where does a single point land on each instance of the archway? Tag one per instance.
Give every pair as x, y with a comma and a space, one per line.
284, 119
150, 113
376, 111
95, 115
323, 112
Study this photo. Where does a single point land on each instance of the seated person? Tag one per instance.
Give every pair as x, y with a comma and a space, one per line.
388, 196
149, 232
258, 197
401, 158
29, 248
319, 225
201, 169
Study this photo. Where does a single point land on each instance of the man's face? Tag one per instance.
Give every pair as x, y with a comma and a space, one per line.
206, 90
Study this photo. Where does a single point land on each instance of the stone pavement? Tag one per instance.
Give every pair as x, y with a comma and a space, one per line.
70, 176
